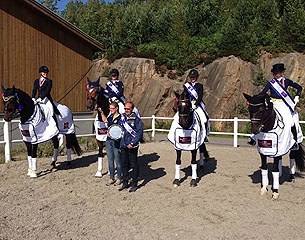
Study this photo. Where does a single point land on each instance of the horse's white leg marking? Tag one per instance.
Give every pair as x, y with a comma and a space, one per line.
281, 167
177, 172
265, 182
292, 166
194, 171
276, 182
33, 173
99, 167
30, 165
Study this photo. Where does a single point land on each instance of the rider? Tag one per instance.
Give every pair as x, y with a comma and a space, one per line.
43, 85
281, 98
195, 90
115, 89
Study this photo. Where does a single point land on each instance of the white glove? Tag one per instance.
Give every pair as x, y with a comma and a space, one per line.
34, 100
296, 99
38, 100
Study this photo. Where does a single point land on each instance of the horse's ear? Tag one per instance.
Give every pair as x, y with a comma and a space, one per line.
88, 80
248, 97
2, 87
98, 80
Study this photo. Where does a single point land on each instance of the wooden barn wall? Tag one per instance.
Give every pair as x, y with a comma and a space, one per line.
28, 40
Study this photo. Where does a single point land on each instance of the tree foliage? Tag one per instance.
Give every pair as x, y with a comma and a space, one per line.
183, 33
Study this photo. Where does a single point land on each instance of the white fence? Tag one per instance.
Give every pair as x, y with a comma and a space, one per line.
7, 141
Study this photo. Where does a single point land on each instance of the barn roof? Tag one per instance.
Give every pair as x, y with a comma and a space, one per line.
70, 27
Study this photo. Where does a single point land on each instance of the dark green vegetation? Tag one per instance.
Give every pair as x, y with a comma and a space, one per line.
182, 34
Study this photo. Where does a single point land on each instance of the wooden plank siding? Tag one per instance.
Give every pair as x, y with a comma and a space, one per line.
29, 38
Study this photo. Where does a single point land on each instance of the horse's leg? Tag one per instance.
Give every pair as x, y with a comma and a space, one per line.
194, 169
55, 151
176, 181
33, 172
292, 157
276, 176
264, 172
69, 148
29, 152
204, 155
99, 159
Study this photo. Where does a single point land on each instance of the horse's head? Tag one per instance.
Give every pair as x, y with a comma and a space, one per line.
261, 110
184, 107
93, 89
11, 103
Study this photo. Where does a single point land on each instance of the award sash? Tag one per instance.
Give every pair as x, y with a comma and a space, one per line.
192, 91
116, 91
127, 127
281, 91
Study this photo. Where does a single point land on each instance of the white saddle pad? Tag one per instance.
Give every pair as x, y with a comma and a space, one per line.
40, 127
101, 130
65, 119
186, 139
277, 142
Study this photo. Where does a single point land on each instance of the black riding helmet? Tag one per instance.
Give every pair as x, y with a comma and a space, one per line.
44, 69
114, 72
193, 73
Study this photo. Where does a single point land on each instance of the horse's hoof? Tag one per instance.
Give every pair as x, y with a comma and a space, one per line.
98, 174
176, 183
291, 178
29, 172
193, 183
33, 174
264, 191
275, 196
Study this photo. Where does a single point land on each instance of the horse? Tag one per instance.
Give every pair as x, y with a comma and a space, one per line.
34, 115
185, 117
97, 99
264, 120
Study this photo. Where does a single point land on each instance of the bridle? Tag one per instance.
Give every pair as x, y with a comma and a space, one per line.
15, 101
93, 94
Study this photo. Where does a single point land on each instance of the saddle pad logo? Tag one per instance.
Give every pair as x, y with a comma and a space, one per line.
102, 131
66, 125
265, 143
25, 133
185, 140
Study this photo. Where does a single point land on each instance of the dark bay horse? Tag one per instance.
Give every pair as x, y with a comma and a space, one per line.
264, 119
18, 103
186, 119
97, 99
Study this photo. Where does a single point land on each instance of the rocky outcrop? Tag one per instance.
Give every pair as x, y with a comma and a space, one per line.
224, 80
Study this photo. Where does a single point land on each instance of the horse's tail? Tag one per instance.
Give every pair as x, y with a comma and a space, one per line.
75, 145
300, 157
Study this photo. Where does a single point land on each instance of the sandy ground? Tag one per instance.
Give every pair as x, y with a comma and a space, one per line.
71, 204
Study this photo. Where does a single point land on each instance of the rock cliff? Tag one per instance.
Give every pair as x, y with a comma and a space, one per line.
224, 80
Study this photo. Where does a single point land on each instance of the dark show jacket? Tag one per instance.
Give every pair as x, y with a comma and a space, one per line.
44, 90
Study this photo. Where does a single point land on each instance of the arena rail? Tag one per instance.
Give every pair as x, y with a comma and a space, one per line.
7, 141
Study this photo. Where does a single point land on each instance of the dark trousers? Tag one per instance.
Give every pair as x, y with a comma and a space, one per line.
129, 159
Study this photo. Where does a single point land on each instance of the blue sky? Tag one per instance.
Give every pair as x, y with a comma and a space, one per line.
62, 3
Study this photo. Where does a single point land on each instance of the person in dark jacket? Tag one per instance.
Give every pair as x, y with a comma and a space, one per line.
43, 86
133, 133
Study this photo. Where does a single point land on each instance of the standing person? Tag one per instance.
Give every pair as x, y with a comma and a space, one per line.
113, 146
133, 133
43, 85
115, 88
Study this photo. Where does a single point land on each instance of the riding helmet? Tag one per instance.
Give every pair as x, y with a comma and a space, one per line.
114, 72
44, 69
279, 67
193, 73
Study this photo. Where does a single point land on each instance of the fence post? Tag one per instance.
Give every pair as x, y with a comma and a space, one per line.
153, 127
7, 146
235, 132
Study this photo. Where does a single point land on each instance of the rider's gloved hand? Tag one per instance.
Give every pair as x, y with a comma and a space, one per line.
38, 100
296, 99
34, 100
251, 141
